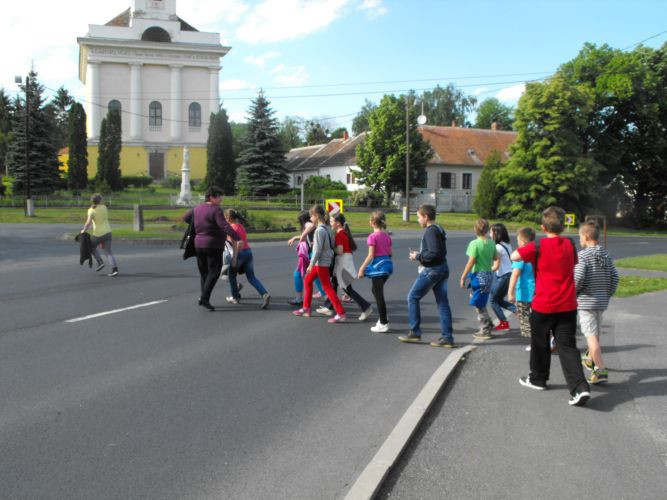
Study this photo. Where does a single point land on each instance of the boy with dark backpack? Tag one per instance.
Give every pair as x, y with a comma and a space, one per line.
554, 308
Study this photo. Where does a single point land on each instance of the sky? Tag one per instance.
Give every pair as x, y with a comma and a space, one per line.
321, 59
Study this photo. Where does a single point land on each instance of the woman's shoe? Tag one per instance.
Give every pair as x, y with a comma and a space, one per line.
205, 303
302, 312
502, 325
338, 318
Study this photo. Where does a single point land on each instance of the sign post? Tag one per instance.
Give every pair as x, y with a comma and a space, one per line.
334, 207
570, 220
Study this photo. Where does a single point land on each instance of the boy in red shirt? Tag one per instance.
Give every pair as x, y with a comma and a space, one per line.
554, 307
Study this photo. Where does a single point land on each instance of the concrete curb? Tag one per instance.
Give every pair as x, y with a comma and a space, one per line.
369, 481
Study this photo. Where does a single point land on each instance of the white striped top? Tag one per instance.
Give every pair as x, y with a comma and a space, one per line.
595, 278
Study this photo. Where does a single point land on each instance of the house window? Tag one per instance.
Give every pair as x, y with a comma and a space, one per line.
298, 180
194, 115
155, 116
114, 104
447, 180
351, 178
467, 181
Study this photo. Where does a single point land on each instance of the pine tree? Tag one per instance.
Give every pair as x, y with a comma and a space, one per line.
220, 167
108, 159
58, 110
42, 152
262, 160
77, 176
5, 128
102, 161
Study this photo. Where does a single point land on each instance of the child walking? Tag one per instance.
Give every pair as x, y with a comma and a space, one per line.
323, 254
554, 308
304, 246
482, 254
503, 269
522, 283
345, 271
244, 260
378, 266
596, 280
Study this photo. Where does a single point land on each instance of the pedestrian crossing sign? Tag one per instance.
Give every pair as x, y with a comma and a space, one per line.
334, 207
570, 220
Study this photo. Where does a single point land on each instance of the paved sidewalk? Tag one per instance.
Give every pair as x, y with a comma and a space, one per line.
489, 437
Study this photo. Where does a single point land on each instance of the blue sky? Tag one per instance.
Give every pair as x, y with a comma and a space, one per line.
361, 48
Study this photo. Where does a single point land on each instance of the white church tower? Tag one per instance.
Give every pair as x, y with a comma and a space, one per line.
163, 76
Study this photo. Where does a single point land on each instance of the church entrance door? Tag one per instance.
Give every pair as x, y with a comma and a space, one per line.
156, 165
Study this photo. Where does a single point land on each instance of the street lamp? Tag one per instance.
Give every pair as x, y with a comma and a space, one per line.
421, 120
29, 204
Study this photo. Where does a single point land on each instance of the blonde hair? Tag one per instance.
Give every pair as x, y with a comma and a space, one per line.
379, 219
481, 227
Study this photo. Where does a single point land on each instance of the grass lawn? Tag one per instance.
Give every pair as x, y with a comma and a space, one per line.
635, 285
657, 262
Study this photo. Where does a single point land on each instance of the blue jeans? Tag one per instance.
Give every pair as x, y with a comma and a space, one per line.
499, 290
431, 278
244, 260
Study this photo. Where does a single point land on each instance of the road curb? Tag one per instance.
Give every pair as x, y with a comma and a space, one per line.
371, 478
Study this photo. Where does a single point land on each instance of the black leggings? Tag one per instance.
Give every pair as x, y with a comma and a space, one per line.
354, 295
378, 293
209, 262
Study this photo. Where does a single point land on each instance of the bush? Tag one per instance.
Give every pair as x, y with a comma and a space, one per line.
174, 182
3, 189
136, 181
365, 197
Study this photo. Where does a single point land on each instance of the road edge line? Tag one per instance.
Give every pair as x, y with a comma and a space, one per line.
371, 478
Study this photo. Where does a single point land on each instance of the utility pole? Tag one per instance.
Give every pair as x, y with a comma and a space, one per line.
406, 208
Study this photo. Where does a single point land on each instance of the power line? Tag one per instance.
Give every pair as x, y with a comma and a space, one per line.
644, 40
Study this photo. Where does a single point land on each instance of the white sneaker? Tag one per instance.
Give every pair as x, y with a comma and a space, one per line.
232, 300
527, 348
364, 315
324, 310
380, 328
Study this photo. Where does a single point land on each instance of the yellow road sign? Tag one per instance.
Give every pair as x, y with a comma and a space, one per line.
334, 207
570, 219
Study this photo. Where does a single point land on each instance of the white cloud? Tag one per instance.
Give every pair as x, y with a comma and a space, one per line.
480, 90
261, 59
292, 76
511, 94
373, 8
277, 20
209, 14
234, 84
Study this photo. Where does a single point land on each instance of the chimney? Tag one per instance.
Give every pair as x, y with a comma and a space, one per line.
494, 126
346, 136
453, 123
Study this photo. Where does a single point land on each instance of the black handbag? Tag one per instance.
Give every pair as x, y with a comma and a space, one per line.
188, 241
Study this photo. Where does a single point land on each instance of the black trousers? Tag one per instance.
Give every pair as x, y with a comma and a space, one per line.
563, 326
378, 293
354, 295
209, 262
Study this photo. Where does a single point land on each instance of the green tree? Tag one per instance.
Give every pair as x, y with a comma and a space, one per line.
58, 110
442, 106
316, 133
290, 133
110, 144
360, 123
488, 193
339, 133
549, 163
239, 133
220, 167
492, 110
381, 157
43, 154
5, 128
262, 160
77, 172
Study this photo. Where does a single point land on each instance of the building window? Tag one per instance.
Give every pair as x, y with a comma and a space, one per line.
351, 178
194, 115
298, 180
114, 105
467, 181
155, 116
447, 180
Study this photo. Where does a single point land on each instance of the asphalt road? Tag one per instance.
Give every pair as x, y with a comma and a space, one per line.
172, 401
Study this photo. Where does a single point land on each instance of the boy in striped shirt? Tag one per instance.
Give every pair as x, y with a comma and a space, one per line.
596, 280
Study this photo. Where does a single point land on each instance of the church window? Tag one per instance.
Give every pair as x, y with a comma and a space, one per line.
155, 115
194, 115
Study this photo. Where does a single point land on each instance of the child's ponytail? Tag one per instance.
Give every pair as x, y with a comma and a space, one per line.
353, 245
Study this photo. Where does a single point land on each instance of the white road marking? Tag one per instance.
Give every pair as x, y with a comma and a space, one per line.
105, 313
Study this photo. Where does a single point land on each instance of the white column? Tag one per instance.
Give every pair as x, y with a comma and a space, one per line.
95, 107
176, 104
135, 102
214, 86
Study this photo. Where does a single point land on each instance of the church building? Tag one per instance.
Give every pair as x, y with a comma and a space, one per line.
162, 74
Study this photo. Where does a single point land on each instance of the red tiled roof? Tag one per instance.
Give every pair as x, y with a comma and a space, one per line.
466, 146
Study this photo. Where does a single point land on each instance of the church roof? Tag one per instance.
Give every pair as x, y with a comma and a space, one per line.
122, 20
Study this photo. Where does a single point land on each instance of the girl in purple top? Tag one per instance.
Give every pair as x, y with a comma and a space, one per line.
211, 231
378, 266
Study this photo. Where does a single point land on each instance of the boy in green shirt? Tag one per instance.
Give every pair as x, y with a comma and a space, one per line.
481, 254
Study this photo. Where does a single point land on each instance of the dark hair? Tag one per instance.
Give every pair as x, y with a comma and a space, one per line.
213, 192
500, 233
379, 219
319, 211
427, 211
340, 218
96, 199
527, 234
232, 214
303, 218
591, 230
553, 220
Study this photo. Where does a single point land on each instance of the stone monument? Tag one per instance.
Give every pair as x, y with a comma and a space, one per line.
185, 197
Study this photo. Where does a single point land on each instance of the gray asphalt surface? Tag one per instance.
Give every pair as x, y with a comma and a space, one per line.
171, 401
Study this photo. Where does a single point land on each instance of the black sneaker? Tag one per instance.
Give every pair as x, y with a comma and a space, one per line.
525, 381
410, 337
114, 272
580, 398
442, 342
100, 267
